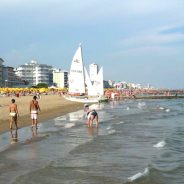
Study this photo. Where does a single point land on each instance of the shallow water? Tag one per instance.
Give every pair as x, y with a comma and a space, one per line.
138, 141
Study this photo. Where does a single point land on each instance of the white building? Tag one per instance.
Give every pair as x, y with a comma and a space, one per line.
60, 78
35, 73
93, 71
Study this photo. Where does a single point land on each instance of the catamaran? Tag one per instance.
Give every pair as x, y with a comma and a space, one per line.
81, 88
76, 75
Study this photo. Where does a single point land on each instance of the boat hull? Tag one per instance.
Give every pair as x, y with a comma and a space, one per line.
85, 100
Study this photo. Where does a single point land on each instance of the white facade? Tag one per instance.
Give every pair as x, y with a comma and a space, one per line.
93, 71
60, 78
35, 73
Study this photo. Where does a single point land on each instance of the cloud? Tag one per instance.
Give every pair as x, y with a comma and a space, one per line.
152, 38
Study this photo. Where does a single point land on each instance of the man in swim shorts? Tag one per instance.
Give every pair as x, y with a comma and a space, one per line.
92, 115
13, 114
34, 108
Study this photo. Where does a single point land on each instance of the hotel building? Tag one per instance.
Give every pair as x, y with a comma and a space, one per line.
10, 79
34, 73
60, 78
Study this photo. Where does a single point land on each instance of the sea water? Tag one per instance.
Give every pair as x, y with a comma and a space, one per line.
138, 141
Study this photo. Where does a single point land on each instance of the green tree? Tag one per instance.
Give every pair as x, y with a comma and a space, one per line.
42, 85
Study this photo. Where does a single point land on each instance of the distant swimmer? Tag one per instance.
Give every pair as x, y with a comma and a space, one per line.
92, 115
13, 109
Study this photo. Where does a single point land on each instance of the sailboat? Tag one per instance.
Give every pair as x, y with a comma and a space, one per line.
98, 83
81, 88
76, 77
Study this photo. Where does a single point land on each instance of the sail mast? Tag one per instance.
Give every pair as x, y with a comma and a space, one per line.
80, 45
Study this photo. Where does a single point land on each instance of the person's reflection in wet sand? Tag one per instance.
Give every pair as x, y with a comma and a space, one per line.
92, 131
14, 136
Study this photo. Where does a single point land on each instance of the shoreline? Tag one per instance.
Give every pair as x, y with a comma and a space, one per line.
51, 106
152, 97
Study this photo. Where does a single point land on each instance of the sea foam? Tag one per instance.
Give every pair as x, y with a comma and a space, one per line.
160, 144
69, 125
60, 118
141, 105
121, 122
109, 127
139, 175
167, 110
111, 131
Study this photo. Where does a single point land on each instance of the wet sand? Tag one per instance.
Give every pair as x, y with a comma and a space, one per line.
51, 106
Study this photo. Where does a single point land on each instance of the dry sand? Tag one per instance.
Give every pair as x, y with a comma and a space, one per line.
51, 106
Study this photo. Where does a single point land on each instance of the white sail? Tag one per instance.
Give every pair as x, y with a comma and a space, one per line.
98, 83
90, 88
76, 76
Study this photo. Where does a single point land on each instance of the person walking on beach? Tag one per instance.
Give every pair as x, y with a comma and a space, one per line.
13, 109
34, 108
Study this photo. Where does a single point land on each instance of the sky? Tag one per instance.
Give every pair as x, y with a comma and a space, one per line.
137, 41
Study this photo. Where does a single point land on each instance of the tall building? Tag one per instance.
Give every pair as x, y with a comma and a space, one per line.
34, 73
1, 72
93, 71
60, 78
10, 79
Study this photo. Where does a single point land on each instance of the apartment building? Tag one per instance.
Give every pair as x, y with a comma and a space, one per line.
60, 78
34, 73
10, 79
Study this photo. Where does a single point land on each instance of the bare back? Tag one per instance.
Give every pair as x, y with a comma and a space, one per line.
13, 108
34, 105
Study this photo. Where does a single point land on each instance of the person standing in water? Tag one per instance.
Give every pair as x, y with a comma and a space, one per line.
34, 108
13, 109
92, 115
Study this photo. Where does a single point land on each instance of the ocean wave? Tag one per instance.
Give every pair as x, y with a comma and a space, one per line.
109, 127
121, 122
61, 118
160, 144
141, 105
161, 108
69, 125
111, 131
139, 175
167, 110
57, 123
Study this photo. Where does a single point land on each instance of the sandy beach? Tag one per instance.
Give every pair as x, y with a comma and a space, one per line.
51, 106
